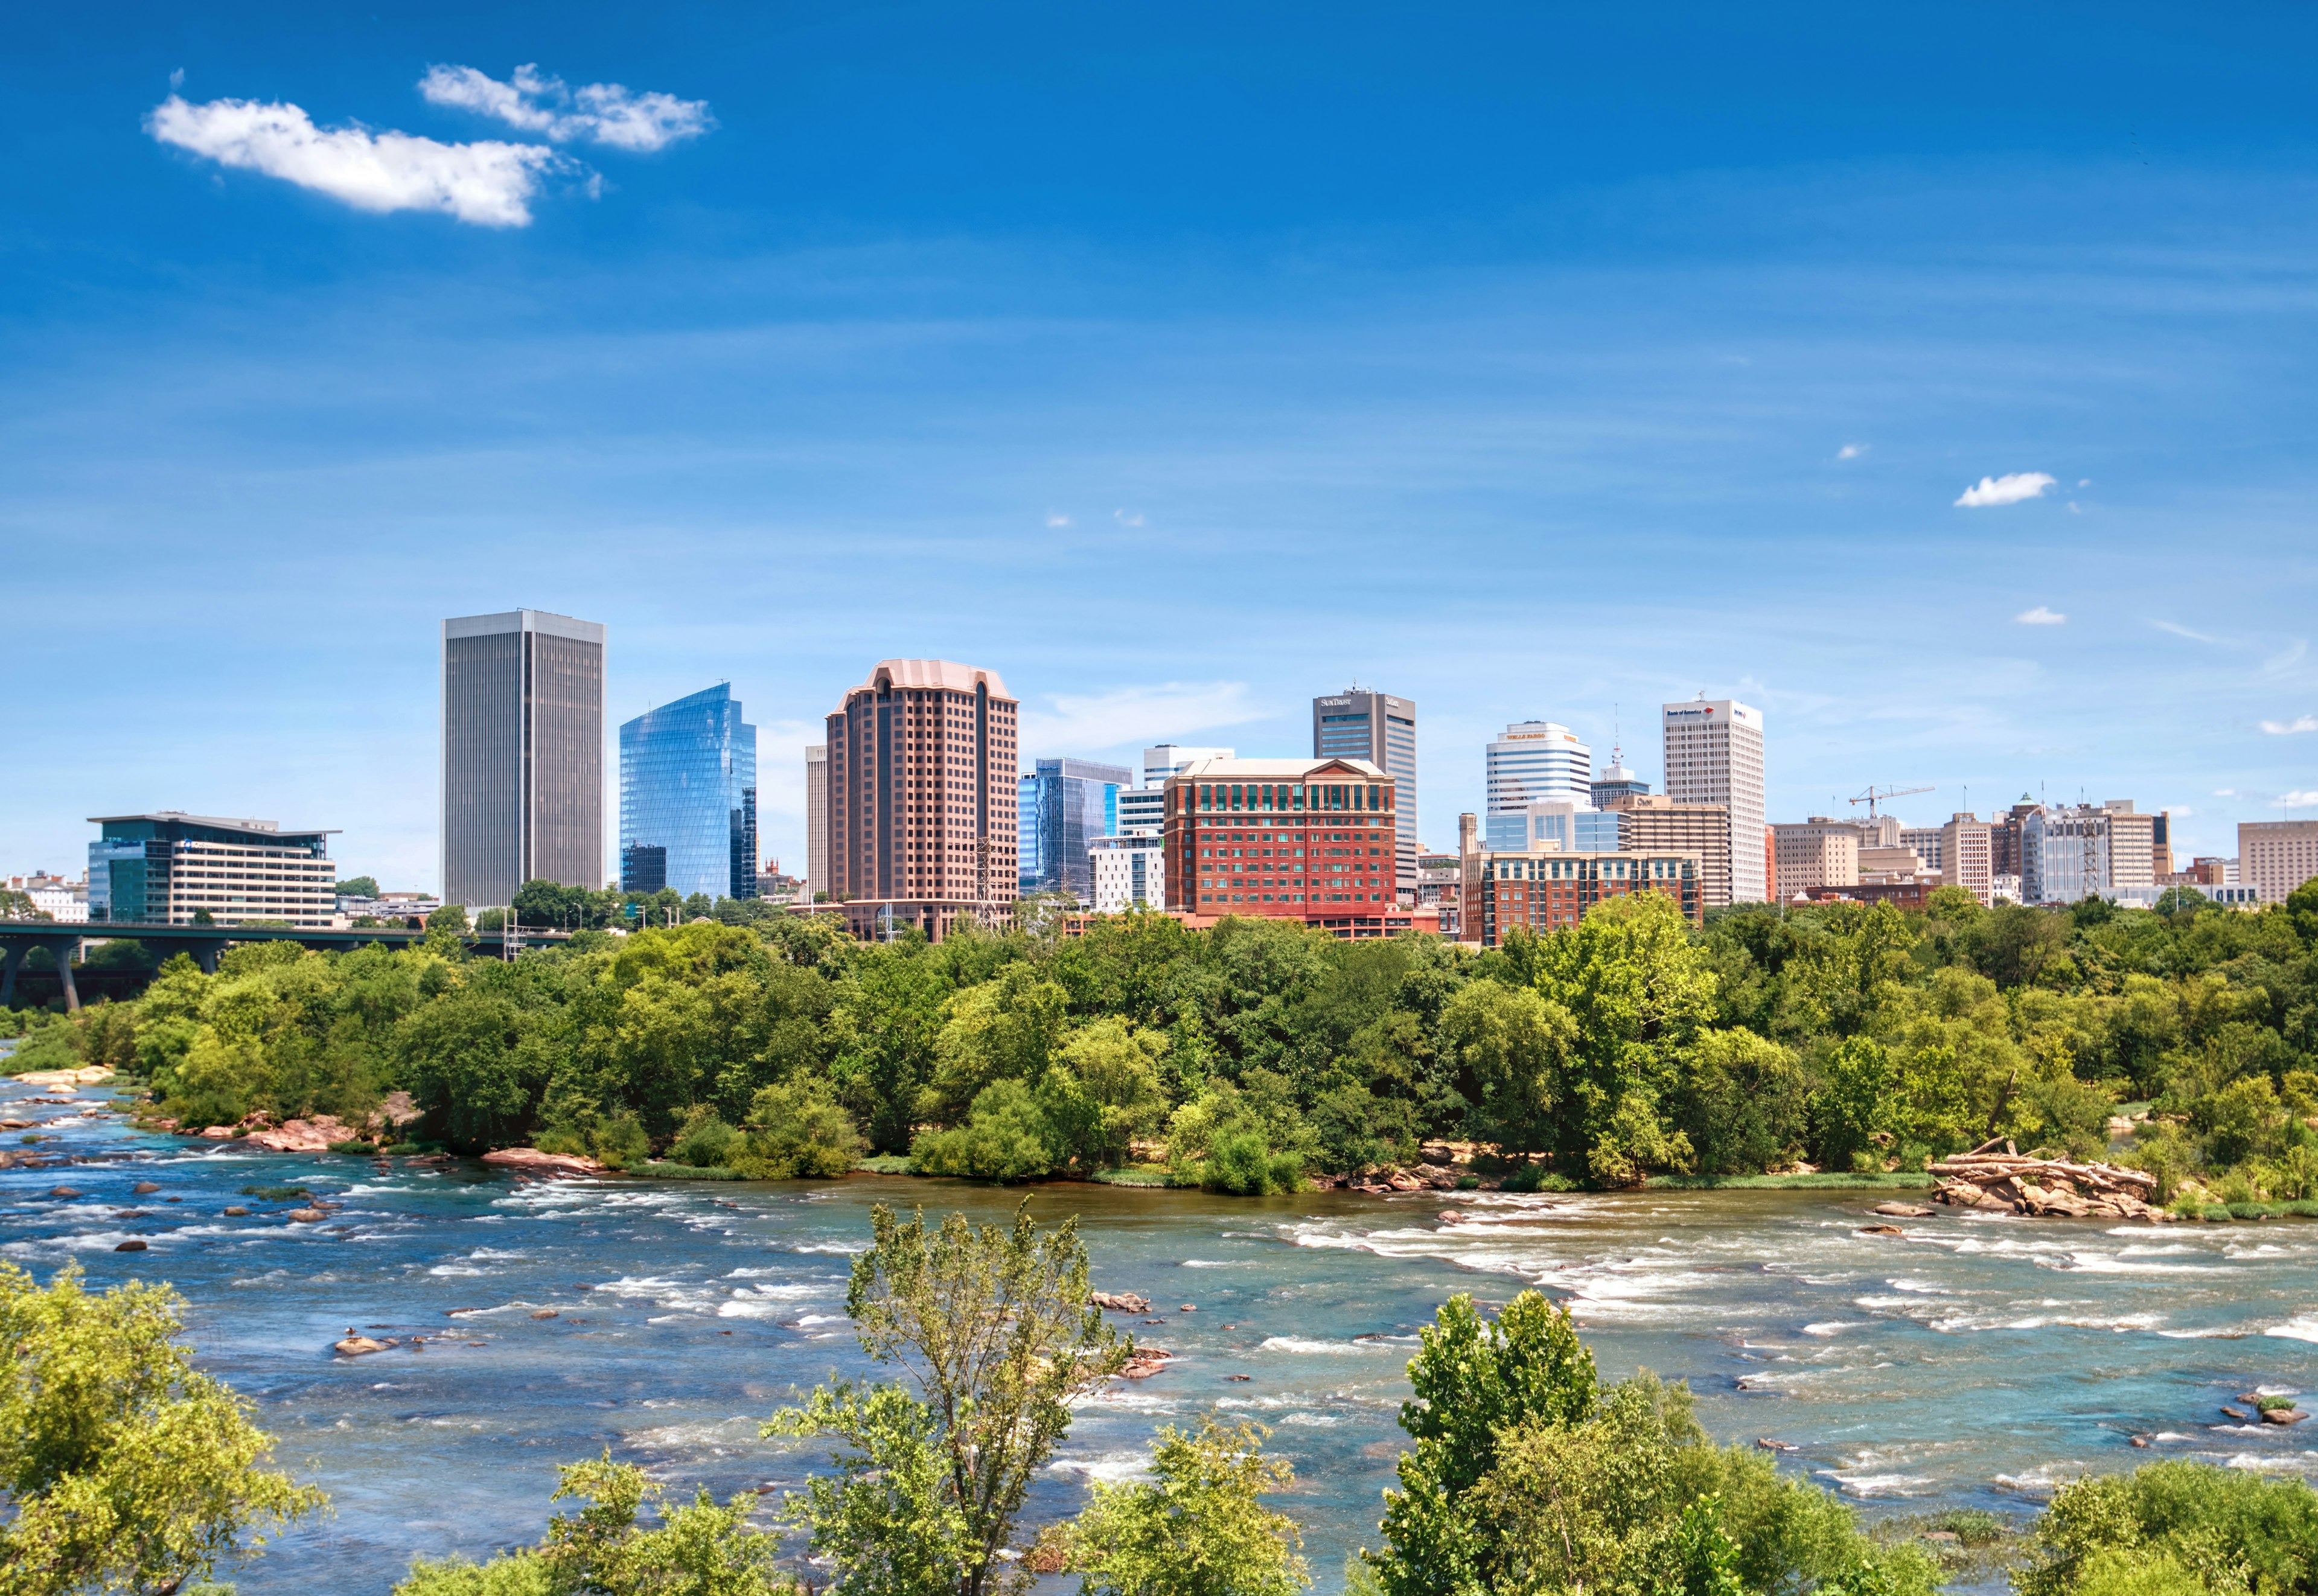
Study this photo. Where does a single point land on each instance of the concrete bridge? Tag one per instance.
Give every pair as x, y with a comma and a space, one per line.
63, 938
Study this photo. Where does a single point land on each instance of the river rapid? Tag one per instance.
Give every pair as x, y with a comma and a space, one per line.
1974, 1361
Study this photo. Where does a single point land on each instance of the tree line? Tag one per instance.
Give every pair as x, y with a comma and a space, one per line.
1252, 1054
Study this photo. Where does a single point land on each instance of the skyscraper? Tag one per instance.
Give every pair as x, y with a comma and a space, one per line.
688, 798
1381, 730
1534, 762
1144, 809
816, 820
1063, 808
920, 783
523, 754
1714, 755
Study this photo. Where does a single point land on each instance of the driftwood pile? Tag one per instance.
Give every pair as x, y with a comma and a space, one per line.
1995, 1176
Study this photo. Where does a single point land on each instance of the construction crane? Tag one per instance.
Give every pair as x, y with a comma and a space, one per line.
1875, 795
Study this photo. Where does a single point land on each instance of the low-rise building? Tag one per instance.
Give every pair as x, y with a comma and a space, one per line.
1550, 889
1128, 872
2276, 857
60, 900
167, 867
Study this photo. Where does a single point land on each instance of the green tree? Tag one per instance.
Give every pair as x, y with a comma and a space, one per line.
794, 1132
696, 1548
358, 886
125, 1468
2175, 1527
1196, 1527
1514, 1050
990, 1326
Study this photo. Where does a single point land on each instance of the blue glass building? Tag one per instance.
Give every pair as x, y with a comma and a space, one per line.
1564, 825
688, 798
1065, 806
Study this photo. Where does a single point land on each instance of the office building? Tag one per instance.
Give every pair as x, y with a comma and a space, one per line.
921, 761
2064, 854
1313, 840
1437, 879
1653, 824
1555, 823
1170, 759
167, 867
1537, 762
1617, 784
1714, 755
522, 755
1381, 730
1062, 808
1819, 852
1547, 890
2276, 857
2131, 845
2161, 845
1926, 843
1128, 872
1144, 809
2004, 832
1966, 856
816, 820
688, 798
1880, 863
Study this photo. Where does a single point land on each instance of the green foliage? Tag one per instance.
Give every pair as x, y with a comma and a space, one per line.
358, 886
796, 1131
2175, 1527
1196, 1527
125, 1468
993, 1329
695, 1548
1527, 1477
1003, 1138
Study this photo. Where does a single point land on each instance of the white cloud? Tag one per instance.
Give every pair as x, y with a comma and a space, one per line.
2298, 800
2288, 728
604, 113
1134, 717
2084, 481
488, 184
2041, 616
2225, 791
1128, 517
1851, 451
1056, 518
2178, 630
2009, 490
2180, 811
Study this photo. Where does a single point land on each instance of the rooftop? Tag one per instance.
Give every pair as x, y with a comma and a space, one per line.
940, 674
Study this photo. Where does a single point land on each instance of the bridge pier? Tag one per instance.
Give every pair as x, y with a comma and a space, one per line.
12, 959
63, 948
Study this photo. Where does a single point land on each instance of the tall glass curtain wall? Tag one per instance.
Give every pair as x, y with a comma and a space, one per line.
1067, 804
688, 798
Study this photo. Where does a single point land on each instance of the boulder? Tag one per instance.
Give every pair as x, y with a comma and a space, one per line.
302, 1136
533, 1159
356, 1346
236, 1212
218, 1133
2283, 1415
1400, 1182
63, 1191
88, 1077
1903, 1210
1119, 1301
1145, 1362
132, 1245
307, 1215
145, 1187
1881, 1230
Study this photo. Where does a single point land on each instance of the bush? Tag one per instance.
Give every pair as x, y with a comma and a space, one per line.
704, 1140
2174, 1526
796, 1133
1244, 1165
1003, 1138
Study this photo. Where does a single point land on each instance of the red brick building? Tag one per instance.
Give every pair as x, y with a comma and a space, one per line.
922, 792
1550, 890
1306, 839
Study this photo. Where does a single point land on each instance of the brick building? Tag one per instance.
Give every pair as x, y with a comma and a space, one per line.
1547, 890
921, 772
1309, 839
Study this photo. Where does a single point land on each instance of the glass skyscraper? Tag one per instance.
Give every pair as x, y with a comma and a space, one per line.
688, 798
1066, 806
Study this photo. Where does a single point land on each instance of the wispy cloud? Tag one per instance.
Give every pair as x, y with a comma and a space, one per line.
1056, 518
2180, 811
2287, 658
2009, 489
605, 114
488, 183
1851, 451
2288, 728
2041, 616
2178, 630
1128, 517
1134, 716
2225, 791
2298, 800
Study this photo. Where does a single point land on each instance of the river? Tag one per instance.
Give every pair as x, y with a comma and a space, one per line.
1973, 1361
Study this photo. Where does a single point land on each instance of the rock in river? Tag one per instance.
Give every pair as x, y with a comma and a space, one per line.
355, 1346
133, 1246
307, 1215
145, 1187
1903, 1210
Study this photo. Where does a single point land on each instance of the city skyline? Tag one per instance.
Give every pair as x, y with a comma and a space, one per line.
1523, 363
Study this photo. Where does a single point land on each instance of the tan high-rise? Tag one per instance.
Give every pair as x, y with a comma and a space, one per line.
1968, 856
1820, 852
1653, 824
922, 762
2276, 857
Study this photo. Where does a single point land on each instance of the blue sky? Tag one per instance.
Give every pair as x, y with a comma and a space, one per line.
1180, 362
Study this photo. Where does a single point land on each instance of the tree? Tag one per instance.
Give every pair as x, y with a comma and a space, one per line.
358, 886
18, 905
1196, 1528
696, 1550
993, 1330
1513, 1049
125, 1467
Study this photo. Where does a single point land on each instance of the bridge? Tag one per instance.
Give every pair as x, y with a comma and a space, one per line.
63, 938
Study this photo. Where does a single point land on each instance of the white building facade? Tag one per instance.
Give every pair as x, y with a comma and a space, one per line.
1714, 755
1129, 873
1537, 762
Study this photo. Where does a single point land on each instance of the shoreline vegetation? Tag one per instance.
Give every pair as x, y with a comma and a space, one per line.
1839, 1046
